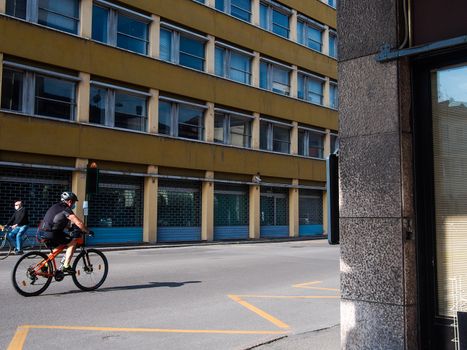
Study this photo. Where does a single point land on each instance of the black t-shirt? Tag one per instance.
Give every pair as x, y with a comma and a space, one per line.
56, 218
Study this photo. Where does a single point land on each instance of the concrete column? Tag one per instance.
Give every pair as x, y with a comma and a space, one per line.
85, 20
294, 82
255, 69
294, 209
325, 36
2, 6
82, 98
207, 208
255, 211
154, 36
209, 123
293, 25
150, 205
327, 144
294, 138
255, 12
153, 112
78, 185
211, 3
210, 52
255, 132
326, 92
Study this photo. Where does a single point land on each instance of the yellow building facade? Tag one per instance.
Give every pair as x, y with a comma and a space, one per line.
207, 120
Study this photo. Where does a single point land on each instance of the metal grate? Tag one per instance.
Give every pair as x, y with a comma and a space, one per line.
230, 206
311, 207
274, 207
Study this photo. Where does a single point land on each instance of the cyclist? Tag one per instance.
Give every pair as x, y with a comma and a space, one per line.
56, 220
19, 223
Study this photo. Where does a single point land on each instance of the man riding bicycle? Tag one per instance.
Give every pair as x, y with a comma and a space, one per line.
56, 220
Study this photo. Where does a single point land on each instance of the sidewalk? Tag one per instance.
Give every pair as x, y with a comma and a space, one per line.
323, 339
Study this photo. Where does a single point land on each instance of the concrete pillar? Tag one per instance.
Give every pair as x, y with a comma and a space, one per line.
153, 112
209, 123
82, 98
294, 82
210, 54
255, 131
294, 209
327, 144
255, 69
255, 211
154, 36
255, 12
325, 38
150, 205
293, 25
207, 208
294, 138
211, 3
2, 6
326, 92
78, 185
85, 20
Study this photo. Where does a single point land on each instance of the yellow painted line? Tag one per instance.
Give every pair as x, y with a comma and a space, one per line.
291, 296
307, 286
259, 312
152, 330
19, 338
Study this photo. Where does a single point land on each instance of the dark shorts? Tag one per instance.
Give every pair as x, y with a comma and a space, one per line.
55, 238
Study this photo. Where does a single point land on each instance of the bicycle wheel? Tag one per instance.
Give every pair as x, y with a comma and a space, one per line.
28, 277
4, 242
91, 269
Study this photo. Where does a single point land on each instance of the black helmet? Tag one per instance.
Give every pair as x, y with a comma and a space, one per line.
66, 196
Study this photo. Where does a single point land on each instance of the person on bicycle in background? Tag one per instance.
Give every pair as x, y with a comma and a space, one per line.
56, 220
19, 223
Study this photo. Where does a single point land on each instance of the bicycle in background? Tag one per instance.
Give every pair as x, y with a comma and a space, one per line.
34, 271
29, 241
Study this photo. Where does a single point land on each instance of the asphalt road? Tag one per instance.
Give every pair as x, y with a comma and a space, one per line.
217, 297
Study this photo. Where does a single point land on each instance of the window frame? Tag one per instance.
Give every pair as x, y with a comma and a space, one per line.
270, 134
309, 23
110, 101
270, 72
334, 104
307, 76
32, 15
306, 141
227, 134
228, 4
227, 68
112, 24
174, 114
176, 33
29, 93
272, 6
333, 34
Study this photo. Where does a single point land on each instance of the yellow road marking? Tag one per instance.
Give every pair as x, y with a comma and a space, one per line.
153, 330
19, 339
259, 312
307, 286
291, 296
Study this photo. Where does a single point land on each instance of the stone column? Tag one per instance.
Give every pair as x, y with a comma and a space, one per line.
325, 38
293, 25
2, 6
255, 132
150, 205
378, 265
85, 18
255, 12
211, 3
154, 36
82, 98
294, 138
153, 112
294, 209
210, 54
326, 92
255, 69
294, 82
207, 208
78, 185
209, 123
255, 211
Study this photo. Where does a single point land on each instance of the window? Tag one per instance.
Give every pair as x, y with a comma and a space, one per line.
181, 119
36, 91
61, 15
237, 8
274, 77
332, 3
182, 47
118, 107
333, 100
310, 33
233, 64
275, 136
334, 143
120, 27
232, 128
332, 44
275, 18
310, 88
310, 143
200, 1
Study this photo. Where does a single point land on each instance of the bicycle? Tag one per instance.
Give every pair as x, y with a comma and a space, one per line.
28, 241
34, 271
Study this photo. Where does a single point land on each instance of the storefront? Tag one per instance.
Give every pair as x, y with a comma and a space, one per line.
230, 211
310, 213
274, 212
